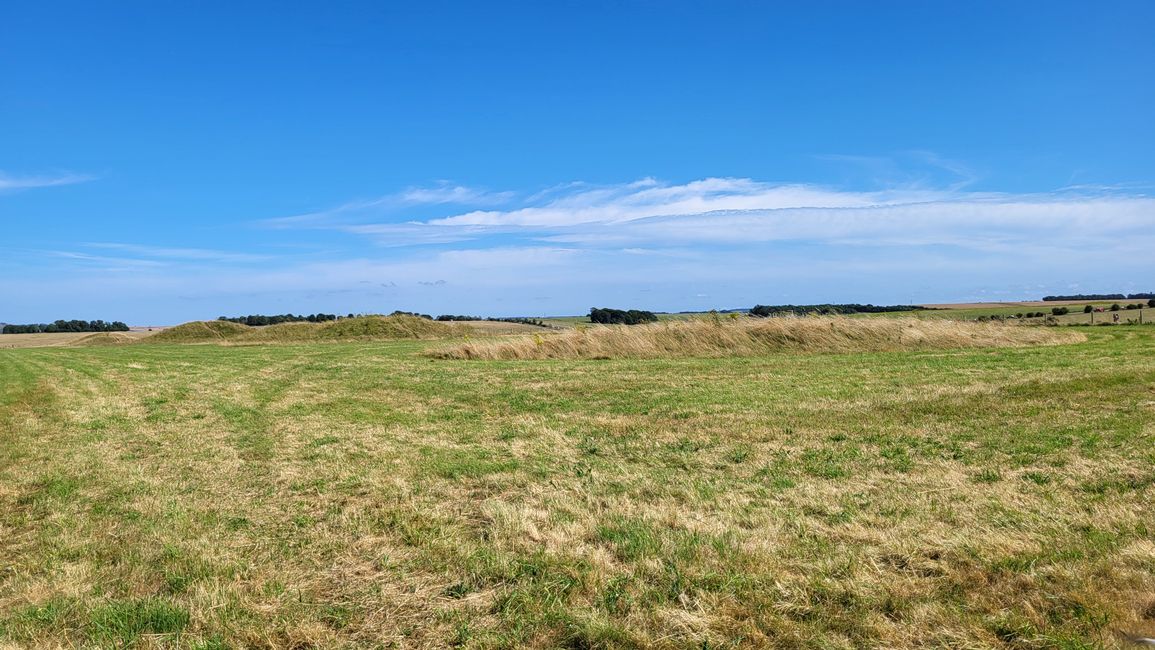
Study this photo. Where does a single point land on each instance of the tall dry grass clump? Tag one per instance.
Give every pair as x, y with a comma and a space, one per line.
747, 337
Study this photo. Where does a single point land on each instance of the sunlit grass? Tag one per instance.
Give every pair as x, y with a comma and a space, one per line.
362, 495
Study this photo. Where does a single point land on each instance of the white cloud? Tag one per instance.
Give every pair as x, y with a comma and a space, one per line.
647, 244
620, 204
736, 212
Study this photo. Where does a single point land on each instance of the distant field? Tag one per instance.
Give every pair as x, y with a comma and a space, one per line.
284, 333
55, 340
962, 311
362, 495
500, 327
975, 310
1017, 304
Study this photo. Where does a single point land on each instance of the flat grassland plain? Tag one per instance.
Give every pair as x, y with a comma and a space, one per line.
349, 495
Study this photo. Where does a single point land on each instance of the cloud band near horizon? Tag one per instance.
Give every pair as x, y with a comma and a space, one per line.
710, 243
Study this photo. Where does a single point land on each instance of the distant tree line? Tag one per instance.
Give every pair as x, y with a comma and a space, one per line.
537, 322
257, 320
829, 309
1101, 296
66, 326
606, 316
398, 312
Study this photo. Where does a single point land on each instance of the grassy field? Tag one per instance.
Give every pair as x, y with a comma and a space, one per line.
959, 311
363, 495
1006, 310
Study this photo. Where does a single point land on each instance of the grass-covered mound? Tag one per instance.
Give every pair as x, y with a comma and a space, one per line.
362, 328
101, 339
706, 338
209, 331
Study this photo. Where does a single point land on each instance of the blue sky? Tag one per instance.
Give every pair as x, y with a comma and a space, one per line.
165, 161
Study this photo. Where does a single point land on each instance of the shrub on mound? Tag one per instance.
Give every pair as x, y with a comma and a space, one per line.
745, 338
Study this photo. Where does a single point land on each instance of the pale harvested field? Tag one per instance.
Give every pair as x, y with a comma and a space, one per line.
498, 327
1025, 303
57, 339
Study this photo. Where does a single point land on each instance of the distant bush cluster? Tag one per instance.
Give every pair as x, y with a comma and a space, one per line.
1101, 296
450, 318
258, 320
537, 322
1056, 311
829, 309
66, 326
398, 312
607, 316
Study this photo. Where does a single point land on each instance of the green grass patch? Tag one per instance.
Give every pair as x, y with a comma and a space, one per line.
362, 495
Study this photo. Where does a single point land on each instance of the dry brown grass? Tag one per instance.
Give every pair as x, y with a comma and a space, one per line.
746, 337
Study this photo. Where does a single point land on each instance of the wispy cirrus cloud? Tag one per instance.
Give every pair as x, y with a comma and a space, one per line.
178, 254
712, 242
907, 169
744, 212
453, 194
650, 198
389, 204
12, 183
106, 262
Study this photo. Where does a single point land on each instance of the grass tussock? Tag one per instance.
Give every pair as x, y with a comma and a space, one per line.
363, 328
705, 338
